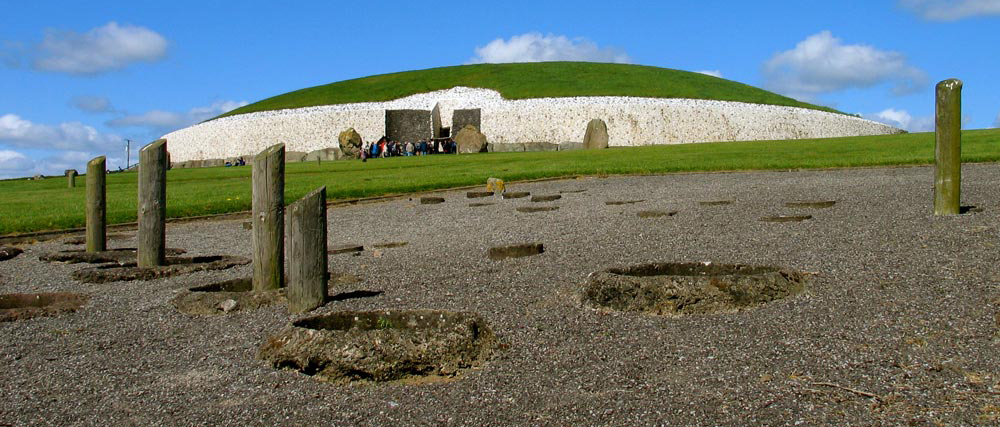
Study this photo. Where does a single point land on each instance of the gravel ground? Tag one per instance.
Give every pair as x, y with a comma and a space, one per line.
898, 326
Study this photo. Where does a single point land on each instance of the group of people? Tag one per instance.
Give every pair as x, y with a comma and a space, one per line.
386, 147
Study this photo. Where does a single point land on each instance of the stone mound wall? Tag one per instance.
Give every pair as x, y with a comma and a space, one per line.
631, 121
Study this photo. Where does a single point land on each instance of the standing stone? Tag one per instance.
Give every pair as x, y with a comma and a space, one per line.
470, 140
948, 148
71, 178
96, 210
152, 232
269, 218
307, 276
350, 143
596, 137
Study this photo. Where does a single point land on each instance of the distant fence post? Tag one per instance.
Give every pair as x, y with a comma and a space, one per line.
269, 218
948, 148
71, 178
151, 235
307, 262
96, 210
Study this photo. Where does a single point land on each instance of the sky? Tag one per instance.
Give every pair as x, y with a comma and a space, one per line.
85, 79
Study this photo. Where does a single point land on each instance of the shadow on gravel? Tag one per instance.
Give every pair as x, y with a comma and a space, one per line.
26, 306
969, 209
408, 346
238, 295
786, 218
655, 214
716, 203
677, 289
813, 204
79, 240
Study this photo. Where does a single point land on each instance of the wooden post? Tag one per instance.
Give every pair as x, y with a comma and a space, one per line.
97, 238
948, 148
269, 218
152, 234
71, 178
307, 261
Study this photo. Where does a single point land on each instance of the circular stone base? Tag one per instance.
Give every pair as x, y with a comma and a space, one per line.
120, 255
8, 252
689, 288
175, 266
26, 306
382, 345
226, 297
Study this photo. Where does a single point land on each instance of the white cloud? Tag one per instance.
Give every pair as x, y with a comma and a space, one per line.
822, 63
110, 47
14, 164
162, 122
18, 132
534, 47
93, 104
952, 10
713, 73
903, 120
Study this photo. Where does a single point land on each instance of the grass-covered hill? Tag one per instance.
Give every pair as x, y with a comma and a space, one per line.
530, 80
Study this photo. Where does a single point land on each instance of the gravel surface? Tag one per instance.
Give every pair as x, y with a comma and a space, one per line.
898, 324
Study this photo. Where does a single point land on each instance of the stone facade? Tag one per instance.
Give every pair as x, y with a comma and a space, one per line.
630, 121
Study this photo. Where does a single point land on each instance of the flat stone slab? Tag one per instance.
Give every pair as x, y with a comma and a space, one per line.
226, 297
622, 202
677, 289
345, 249
175, 266
516, 194
431, 200
548, 198
478, 194
26, 306
481, 204
515, 251
382, 345
8, 252
572, 191
655, 214
530, 209
814, 204
786, 218
390, 245
120, 255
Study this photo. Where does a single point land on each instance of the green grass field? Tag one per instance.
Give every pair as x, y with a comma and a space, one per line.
530, 80
48, 204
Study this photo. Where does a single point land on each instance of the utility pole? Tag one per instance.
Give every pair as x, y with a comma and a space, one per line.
128, 152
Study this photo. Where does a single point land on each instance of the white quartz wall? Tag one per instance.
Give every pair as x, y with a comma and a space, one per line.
630, 120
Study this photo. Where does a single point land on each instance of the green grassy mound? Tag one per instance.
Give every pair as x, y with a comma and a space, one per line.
530, 80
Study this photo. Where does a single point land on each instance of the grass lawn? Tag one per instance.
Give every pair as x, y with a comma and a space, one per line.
48, 204
530, 80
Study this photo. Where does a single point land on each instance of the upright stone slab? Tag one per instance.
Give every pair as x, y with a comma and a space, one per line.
71, 178
408, 125
437, 131
152, 233
269, 218
948, 148
597, 135
307, 263
462, 118
96, 210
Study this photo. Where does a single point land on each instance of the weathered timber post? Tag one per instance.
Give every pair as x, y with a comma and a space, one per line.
307, 261
97, 238
269, 218
71, 178
152, 233
948, 148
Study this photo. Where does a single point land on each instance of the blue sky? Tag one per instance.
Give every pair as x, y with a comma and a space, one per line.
78, 78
